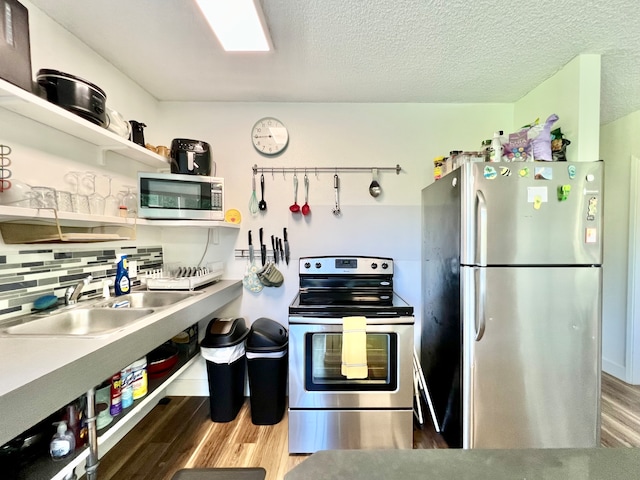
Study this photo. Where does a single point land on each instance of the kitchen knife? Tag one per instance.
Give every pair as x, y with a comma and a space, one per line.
286, 245
250, 248
275, 249
280, 248
263, 249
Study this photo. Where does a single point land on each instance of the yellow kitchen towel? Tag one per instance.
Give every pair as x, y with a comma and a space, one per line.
354, 347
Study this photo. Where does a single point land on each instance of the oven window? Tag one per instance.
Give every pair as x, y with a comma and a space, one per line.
324, 363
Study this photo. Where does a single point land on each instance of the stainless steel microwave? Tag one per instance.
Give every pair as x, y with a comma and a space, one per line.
182, 197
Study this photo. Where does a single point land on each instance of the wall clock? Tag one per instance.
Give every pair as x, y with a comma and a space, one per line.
269, 136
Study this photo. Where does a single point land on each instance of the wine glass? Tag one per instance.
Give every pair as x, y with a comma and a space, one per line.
80, 202
130, 200
111, 202
96, 201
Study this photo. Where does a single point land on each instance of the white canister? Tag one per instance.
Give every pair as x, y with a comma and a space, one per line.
139, 370
127, 387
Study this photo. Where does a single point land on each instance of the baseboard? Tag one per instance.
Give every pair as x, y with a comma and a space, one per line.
615, 369
189, 387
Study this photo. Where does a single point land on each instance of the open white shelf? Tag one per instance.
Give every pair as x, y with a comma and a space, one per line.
71, 219
43, 468
24, 103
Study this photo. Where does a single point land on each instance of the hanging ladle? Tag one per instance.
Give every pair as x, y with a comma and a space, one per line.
262, 205
295, 208
306, 209
336, 187
374, 187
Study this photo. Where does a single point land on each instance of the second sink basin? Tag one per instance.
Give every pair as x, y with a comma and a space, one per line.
146, 299
79, 322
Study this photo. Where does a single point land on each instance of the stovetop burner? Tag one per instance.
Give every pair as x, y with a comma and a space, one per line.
340, 286
396, 308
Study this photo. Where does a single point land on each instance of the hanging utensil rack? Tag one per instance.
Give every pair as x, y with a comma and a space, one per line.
317, 170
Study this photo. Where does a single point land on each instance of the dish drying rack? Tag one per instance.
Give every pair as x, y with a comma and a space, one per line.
180, 277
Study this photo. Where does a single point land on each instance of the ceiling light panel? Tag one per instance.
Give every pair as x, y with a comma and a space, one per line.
238, 24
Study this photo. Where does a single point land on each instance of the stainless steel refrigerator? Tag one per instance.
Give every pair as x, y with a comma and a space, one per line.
512, 299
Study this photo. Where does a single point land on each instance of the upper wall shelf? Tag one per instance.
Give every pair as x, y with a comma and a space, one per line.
24, 103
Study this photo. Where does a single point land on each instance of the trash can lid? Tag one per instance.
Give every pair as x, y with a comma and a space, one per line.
266, 335
224, 332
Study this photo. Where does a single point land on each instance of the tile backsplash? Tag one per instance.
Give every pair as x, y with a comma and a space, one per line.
29, 274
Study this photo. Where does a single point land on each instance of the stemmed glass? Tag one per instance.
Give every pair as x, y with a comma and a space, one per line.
96, 201
80, 202
130, 200
111, 202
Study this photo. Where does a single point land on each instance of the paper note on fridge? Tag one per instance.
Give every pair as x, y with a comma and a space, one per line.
537, 193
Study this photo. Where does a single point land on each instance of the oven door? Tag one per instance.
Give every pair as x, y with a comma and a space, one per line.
315, 358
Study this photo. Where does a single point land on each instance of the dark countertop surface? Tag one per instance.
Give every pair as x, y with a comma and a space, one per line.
455, 464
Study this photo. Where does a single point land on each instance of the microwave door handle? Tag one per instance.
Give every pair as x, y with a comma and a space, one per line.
190, 160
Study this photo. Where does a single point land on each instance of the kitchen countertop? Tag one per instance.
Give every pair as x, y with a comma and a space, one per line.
513, 464
41, 374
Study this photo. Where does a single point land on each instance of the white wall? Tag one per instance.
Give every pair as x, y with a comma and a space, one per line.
619, 141
333, 135
54, 47
573, 93
330, 135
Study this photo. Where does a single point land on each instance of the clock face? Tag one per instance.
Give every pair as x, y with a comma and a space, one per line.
269, 136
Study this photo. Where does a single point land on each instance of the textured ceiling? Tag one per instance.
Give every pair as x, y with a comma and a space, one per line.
451, 51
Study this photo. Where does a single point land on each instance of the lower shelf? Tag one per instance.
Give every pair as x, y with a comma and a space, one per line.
44, 468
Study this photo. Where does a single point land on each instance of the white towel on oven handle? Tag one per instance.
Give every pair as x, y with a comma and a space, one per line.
354, 347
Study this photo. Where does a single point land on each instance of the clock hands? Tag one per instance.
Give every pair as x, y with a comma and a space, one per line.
269, 136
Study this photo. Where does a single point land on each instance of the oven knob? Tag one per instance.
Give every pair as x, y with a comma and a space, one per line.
318, 265
385, 266
307, 265
374, 265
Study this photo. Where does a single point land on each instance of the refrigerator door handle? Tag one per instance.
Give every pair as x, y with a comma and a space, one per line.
481, 229
481, 294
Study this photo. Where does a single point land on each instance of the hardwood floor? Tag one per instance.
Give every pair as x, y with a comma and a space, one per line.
620, 413
178, 433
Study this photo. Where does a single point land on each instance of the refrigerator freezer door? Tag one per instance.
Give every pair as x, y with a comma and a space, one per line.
533, 378
532, 213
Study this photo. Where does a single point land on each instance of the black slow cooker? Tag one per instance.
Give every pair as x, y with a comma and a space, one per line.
74, 94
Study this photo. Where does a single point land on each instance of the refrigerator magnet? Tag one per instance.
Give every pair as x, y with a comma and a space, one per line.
490, 173
563, 192
543, 173
571, 170
524, 172
537, 202
505, 171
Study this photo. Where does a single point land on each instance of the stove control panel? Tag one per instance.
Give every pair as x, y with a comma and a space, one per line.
346, 265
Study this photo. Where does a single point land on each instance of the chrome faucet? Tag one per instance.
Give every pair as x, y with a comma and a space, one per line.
72, 293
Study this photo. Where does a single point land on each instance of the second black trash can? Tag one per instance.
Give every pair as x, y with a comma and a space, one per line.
267, 359
223, 349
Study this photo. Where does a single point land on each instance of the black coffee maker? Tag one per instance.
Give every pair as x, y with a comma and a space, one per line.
190, 157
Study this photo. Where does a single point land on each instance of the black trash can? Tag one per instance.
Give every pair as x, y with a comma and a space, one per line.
267, 360
223, 349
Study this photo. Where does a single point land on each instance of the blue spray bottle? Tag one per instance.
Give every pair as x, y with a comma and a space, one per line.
123, 284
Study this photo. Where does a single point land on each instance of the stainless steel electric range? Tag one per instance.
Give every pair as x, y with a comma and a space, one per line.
326, 409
